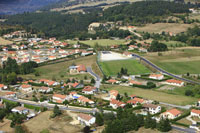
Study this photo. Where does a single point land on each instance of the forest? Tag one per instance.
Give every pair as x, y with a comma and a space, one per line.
62, 26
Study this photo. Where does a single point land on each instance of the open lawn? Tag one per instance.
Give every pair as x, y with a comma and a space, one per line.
4, 42
174, 43
185, 121
57, 125
60, 70
178, 61
167, 27
152, 94
102, 42
133, 66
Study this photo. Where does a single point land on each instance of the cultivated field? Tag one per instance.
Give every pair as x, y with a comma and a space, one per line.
56, 125
179, 60
167, 27
133, 66
152, 94
102, 42
59, 70
4, 42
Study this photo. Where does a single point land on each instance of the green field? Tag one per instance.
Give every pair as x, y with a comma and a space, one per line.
178, 61
102, 42
152, 94
113, 67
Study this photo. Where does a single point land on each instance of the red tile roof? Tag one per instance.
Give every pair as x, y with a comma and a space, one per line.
81, 68
112, 81
89, 88
113, 92
135, 82
195, 111
174, 112
85, 116
174, 81
59, 96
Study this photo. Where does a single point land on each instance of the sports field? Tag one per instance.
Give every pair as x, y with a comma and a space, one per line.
102, 42
111, 68
179, 60
152, 94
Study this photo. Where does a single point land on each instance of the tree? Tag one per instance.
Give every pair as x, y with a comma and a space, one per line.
99, 119
12, 78
65, 102
86, 129
149, 122
56, 111
151, 85
189, 93
118, 97
93, 81
164, 125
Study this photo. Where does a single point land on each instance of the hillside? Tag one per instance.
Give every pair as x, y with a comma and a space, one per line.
71, 25
20, 6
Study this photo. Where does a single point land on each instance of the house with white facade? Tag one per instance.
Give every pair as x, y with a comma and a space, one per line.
156, 76
45, 89
151, 108
20, 110
171, 114
26, 88
89, 90
195, 112
3, 87
58, 98
174, 82
116, 104
86, 119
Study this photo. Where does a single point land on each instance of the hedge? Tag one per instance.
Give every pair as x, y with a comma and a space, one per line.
181, 124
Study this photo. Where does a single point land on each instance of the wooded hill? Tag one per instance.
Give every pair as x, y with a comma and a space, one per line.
71, 25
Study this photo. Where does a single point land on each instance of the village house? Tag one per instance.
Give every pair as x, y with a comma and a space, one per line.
128, 54
132, 47
151, 108
132, 96
45, 89
135, 101
144, 50
26, 88
52, 57
116, 104
86, 119
10, 94
58, 98
89, 90
113, 94
133, 82
83, 100
75, 85
3, 87
171, 114
73, 95
113, 81
174, 82
2, 105
49, 82
195, 112
156, 76
20, 110
77, 69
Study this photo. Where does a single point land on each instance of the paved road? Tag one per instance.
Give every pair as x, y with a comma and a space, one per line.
163, 71
185, 130
177, 106
97, 78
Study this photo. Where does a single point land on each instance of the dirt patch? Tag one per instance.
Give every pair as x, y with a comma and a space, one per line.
5, 126
57, 125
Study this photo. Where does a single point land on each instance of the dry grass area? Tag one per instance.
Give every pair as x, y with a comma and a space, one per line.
5, 126
56, 125
152, 94
143, 130
4, 42
185, 121
89, 4
167, 27
61, 69
176, 61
